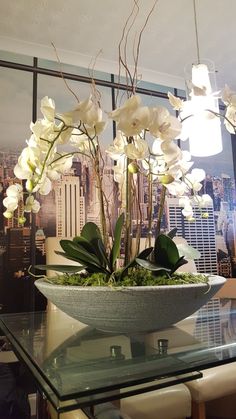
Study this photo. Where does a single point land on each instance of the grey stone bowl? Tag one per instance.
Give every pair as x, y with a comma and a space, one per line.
130, 309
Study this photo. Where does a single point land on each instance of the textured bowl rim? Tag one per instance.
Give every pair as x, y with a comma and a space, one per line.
213, 280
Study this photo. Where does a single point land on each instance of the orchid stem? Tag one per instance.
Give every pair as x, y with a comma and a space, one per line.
161, 210
128, 222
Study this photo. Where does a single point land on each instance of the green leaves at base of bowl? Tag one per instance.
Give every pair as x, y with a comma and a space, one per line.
98, 266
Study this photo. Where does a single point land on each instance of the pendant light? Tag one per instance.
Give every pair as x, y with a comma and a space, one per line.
203, 127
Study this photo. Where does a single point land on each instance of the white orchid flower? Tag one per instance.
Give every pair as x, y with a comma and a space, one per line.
130, 104
63, 164
32, 142
156, 147
119, 170
187, 210
81, 142
21, 173
163, 125
184, 201
93, 116
11, 203
96, 129
15, 191
171, 152
154, 166
87, 112
231, 116
27, 162
48, 108
44, 186
31, 204
134, 122
65, 133
53, 175
203, 200
194, 178
175, 102
131, 118
181, 166
138, 149
78, 114
177, 188
228, 96
188, 213
43, 132
47, 132
8, 214
117, 149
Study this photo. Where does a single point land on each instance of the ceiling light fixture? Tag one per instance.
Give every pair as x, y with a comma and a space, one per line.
205, 138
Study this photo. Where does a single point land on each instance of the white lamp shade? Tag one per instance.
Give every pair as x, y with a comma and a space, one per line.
203, 128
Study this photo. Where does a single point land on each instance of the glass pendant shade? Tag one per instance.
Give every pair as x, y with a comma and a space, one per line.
202, 126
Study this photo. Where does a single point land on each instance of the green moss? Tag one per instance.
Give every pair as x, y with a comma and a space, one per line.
136, 277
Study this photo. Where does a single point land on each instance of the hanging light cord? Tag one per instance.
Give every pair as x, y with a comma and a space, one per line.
196, 31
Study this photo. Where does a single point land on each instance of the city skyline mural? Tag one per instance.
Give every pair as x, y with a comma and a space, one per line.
73, 200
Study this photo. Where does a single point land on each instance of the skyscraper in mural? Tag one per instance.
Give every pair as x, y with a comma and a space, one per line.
70, 206
199, 234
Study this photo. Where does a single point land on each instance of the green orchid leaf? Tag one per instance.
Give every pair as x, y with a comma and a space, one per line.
96, 247
145, 253
172, 233
151, 266
188, 252
81, 241
125, 270
90, 267
165, 251
180, 262
91, 231
63, 254
60, 268
115, 251
78, 252
100, 251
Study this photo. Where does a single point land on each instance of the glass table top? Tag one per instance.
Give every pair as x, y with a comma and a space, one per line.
77, 366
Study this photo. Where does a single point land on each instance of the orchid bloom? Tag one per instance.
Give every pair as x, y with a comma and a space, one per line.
138, 149
89, 114
203, 200
117, 149
187, 210
195, 178
131, 118
175, 102
230, 122
163, 125
228, 96
14, 195
171, 152
177, 188
31, 204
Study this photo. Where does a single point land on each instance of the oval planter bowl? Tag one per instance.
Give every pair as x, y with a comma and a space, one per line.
130, 309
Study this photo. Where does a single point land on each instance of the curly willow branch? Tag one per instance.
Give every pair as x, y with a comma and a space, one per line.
62, 75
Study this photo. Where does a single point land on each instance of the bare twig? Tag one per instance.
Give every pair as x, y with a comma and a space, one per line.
140, 38
62, 75
124, 36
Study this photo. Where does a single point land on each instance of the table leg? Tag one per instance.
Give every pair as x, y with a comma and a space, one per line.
42, 407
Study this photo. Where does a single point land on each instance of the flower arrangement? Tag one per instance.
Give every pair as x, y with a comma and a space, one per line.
145, 145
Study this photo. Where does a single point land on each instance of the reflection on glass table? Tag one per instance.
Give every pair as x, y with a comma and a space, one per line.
77, 366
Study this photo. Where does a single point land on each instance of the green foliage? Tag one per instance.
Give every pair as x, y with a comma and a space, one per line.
137, 277
154, 265
88, 250
164, 257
